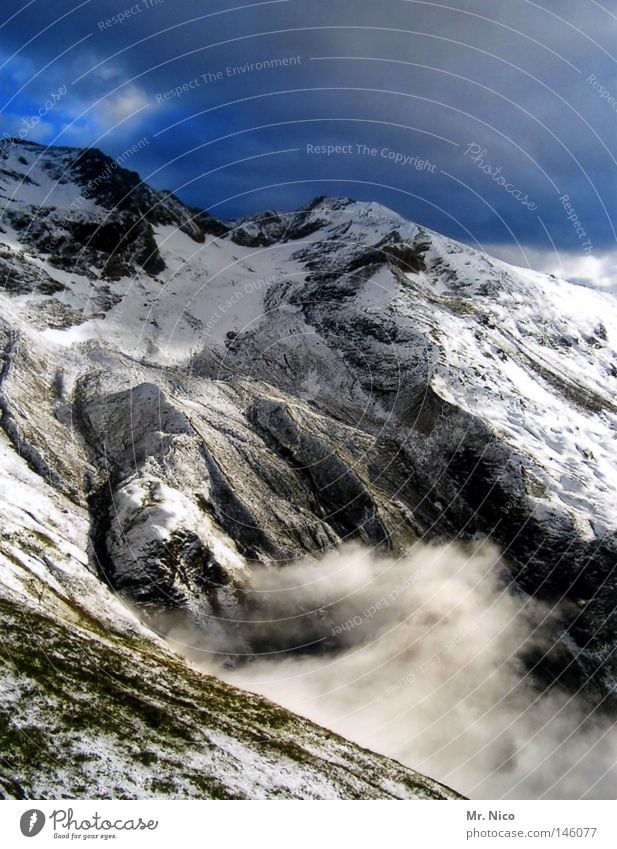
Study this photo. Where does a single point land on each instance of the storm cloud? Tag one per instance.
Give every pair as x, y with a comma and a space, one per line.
234, 99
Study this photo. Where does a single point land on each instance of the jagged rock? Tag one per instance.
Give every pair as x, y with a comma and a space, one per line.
200, 406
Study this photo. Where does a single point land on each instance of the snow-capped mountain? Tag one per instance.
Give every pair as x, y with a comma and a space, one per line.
184, 399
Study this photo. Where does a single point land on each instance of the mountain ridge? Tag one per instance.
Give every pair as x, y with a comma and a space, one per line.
211, 396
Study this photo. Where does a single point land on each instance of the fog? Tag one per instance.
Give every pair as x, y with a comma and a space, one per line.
420, 658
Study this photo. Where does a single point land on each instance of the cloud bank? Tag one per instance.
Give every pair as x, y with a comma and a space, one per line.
420, 658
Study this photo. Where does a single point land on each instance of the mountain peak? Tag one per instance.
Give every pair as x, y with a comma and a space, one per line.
339, 331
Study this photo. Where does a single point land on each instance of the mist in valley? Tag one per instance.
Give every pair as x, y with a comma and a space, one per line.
421, 658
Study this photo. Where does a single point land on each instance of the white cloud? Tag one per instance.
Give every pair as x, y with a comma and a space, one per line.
597, 271
121, 104
107, 72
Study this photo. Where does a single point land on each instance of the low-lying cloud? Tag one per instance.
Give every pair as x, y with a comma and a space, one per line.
420, 658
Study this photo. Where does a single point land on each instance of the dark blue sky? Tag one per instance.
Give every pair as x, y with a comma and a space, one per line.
432, 83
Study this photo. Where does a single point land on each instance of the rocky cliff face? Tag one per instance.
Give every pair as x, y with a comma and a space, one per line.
195, 399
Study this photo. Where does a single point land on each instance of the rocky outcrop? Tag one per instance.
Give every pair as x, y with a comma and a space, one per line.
205, 398
94, 705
